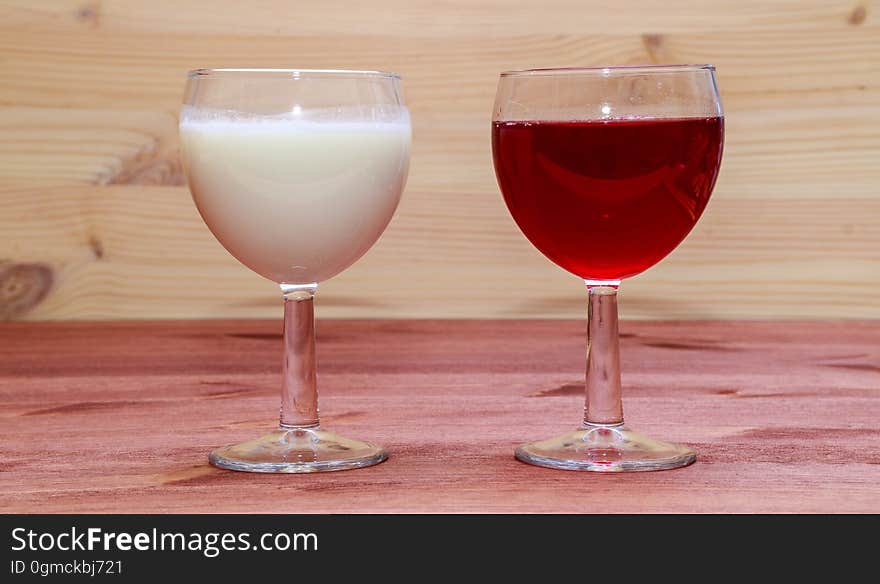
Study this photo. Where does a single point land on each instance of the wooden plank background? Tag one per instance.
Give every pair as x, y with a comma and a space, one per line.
96, 223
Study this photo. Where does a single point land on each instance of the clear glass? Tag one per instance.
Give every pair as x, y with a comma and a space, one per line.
296, 173
606, 170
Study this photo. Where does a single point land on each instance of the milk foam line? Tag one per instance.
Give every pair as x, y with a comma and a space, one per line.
201, 120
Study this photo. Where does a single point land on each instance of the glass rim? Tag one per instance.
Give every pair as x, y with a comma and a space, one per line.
609, 70
292, 73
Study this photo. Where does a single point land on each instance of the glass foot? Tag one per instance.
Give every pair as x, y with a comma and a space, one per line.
297, 450
605, 448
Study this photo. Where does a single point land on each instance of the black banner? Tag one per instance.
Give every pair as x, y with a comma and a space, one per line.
120, 548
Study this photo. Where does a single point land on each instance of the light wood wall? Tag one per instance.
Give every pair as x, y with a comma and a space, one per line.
96, 223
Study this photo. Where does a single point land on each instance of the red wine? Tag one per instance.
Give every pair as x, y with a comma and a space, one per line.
607, 199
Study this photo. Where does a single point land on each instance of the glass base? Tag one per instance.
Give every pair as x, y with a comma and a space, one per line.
605, 448
297, 450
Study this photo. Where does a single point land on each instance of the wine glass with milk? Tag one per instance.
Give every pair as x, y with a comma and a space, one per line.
297, 173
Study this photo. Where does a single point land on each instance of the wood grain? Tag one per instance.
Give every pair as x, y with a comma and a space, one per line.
425, 18
119, 417
833, 66
113, 257
91, 182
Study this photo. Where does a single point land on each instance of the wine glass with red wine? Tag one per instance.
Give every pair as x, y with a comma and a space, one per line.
606, 170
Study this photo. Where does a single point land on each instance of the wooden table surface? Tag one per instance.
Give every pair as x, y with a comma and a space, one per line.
119, 417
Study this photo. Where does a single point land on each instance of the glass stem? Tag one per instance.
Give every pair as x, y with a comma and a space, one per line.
299, 387
603, 404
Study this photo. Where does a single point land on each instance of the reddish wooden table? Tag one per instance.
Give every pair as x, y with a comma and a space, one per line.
119, 417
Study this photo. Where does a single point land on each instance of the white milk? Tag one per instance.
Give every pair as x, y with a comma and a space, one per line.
295, 200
